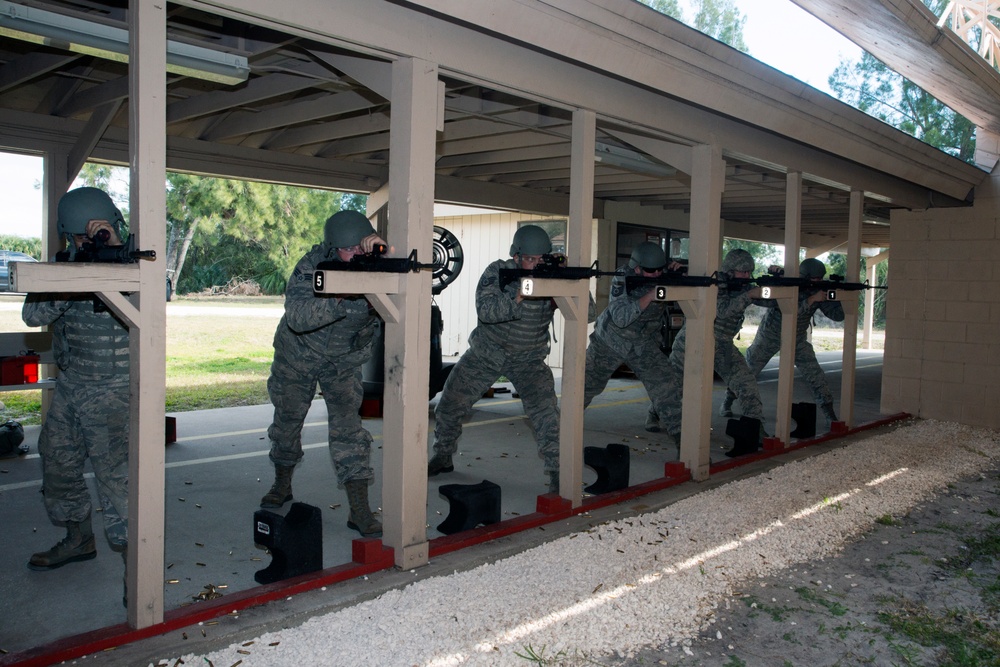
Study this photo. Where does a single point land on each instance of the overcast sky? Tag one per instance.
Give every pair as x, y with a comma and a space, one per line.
777, 32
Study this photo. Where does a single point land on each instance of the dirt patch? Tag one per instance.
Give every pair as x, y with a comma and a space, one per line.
923, 589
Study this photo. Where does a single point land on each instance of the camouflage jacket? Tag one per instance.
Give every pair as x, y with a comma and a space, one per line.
730, 312
770, 325
87, 339
512, 327
626, 328
326, 326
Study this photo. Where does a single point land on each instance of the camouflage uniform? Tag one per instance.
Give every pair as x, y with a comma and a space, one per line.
511, 339
729, 363
626, 334
767, 343
324, 339
89, 415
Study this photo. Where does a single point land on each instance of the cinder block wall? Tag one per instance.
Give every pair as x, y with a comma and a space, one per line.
942, 348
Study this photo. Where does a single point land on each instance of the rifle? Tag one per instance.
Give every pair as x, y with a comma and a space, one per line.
831, 287
371, 262
551, 266
668, 279
98, 250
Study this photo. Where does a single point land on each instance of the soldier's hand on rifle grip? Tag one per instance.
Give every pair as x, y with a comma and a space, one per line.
95, 227
676, 267
374, 244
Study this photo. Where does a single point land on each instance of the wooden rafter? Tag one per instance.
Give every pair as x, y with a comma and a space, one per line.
971, 18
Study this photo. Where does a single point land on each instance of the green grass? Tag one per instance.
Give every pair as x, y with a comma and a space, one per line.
778, 614
213, 361
962, 639
540, 657
809, 595
979, 547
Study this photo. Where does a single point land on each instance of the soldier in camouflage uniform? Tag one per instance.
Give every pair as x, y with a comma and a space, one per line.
629, 331
89, 414
325, 339
729, 363
511, 339
767, 343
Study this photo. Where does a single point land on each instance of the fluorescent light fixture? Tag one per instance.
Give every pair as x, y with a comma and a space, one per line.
72, 34
631, 161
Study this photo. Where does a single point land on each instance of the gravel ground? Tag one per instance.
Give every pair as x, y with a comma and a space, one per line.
790, 567
921, 589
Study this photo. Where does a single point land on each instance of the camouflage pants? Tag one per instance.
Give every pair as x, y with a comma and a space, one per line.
762, 350
653, 370
733, 369
474, 373
292, 387
87, 419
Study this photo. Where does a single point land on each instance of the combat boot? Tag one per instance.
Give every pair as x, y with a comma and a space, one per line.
652, 422
827, 409
281, 490
361, 518
439, 463
78, 545
726, 409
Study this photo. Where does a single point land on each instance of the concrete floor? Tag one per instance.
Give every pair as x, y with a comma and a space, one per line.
218, 470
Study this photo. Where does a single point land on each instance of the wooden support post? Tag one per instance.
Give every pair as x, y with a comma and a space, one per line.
574, 308
789, 306
707, 183
147, 337
788, 303
866, 331
55, 183
416, 107
850, 357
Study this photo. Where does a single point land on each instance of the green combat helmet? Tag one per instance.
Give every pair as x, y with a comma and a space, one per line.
738, 260
344, 229
80, 206
530, 240
812, 268
648, 255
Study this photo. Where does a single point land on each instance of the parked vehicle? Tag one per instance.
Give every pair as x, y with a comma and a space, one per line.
6, 257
